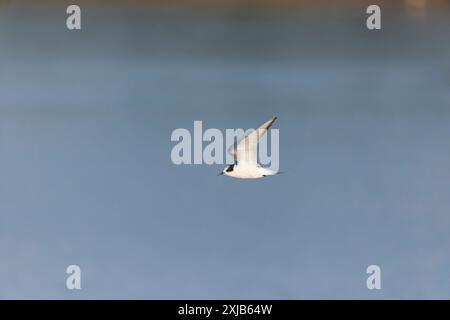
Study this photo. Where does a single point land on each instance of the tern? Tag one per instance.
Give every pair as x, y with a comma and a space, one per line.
245, 156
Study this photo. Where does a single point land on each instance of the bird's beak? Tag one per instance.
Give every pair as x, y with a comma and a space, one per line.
220, 173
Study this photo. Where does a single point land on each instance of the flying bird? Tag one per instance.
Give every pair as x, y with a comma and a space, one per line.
245, 156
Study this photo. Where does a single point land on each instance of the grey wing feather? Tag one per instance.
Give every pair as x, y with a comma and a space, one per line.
245, 149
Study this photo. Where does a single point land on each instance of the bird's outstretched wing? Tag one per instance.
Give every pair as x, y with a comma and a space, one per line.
246, 149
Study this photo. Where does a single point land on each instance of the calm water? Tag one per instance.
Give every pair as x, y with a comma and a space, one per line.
86, 176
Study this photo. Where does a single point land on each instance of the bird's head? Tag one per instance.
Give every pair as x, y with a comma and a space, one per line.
227, 170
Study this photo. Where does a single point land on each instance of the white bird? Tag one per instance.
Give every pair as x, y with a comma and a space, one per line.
245, 156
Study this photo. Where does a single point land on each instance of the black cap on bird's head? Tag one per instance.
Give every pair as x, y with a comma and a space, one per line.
228, 168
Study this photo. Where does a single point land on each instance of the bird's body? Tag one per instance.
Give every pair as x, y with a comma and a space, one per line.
245, 156
245, 171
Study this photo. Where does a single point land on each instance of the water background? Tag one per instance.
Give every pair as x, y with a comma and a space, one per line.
86, 176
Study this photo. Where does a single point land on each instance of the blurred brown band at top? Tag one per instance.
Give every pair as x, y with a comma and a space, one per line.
246, 4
